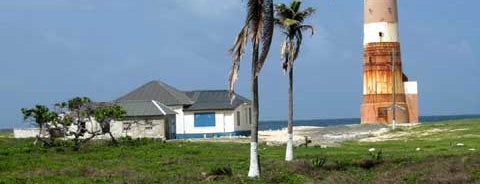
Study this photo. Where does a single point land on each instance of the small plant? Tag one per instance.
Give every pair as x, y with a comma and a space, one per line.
221, 171
375, 159
218, 172
376, 155
475, 174
340, 165
307, 141
318, 162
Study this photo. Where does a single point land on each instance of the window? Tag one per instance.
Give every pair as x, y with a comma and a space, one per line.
148, 125
380, 34
238, 118
382, 112
127, 125
204, 119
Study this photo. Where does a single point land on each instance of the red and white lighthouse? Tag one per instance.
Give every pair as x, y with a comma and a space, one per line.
387, 93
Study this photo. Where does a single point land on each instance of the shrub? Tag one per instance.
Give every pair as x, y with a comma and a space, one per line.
375, 158
218, 172
318, 162
340, 165
221, 171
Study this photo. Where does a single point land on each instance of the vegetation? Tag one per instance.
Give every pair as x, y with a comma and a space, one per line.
258, 27
441, 159
290, 20
6, 134
42, 116
70, 119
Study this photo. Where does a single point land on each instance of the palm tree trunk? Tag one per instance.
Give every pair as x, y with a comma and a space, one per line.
254, 170
289, 151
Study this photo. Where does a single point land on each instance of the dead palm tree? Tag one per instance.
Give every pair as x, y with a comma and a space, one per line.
290, 20
259, 28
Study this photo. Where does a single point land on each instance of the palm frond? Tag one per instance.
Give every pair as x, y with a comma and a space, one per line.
290, 19
299, 38
300, 16
255, 8
307, 27
283, 11
267, 33
284, 55
237, 52
295, 5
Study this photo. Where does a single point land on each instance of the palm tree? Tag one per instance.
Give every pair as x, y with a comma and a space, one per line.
290, 20
258, 27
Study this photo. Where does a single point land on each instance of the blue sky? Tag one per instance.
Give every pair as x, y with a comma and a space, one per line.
52, 50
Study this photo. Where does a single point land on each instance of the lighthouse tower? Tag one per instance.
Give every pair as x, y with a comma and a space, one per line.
387, 93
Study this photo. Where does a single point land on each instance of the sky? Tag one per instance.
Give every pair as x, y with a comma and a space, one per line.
52, 50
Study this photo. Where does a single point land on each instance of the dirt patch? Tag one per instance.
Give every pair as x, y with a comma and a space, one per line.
88, 171
432, 170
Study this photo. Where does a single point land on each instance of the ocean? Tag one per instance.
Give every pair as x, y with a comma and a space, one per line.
276, 125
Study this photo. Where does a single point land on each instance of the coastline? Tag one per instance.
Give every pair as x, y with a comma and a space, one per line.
320, 136
323, 136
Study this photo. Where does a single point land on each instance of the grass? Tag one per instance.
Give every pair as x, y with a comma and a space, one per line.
439, 160
6, 134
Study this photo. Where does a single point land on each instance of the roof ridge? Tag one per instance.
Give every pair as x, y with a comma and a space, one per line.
137, 88
207, 90
171, 89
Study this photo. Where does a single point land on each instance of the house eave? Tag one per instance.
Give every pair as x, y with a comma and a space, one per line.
211, 109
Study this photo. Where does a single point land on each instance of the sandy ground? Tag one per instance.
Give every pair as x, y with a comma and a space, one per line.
322, 136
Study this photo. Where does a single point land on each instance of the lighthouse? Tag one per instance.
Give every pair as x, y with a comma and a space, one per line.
388, 96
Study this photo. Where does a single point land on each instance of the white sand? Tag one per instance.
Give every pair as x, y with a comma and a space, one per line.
321, 136
324, 136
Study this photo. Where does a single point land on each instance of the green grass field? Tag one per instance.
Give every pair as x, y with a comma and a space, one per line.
6, 134
439, 160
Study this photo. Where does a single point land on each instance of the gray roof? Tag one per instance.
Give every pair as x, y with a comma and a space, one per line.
213, 100
145, 108
158, 91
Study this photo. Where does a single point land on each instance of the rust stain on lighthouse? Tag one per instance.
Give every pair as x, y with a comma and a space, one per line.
383, 77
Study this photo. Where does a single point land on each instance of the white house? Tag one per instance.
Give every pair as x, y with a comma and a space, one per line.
191, 114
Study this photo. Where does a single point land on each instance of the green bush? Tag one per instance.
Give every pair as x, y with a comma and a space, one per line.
318, 162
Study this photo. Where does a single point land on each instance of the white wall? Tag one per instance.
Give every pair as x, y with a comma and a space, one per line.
25, 132
137, 130
244, 118
179, 117
410, 87
223, 123
389, 30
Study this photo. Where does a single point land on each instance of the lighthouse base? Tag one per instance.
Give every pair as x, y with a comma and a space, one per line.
381, 113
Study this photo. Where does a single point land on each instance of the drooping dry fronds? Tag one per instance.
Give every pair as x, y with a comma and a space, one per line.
237, 52
267, 34
259, 28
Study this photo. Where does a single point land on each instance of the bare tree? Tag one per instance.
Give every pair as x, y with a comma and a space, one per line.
71, 118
